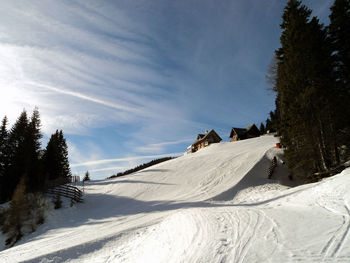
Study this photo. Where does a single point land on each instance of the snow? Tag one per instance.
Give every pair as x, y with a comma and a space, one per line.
215, 205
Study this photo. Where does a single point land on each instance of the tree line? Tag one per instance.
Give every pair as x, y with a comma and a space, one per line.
271, 124
311, 77
23, 160
141, 167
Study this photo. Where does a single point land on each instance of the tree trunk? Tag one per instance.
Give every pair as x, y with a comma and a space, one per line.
323, 161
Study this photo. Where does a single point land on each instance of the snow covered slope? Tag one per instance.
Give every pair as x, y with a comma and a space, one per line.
216, 205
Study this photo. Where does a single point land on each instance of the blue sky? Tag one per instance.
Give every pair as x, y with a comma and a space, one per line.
131, 81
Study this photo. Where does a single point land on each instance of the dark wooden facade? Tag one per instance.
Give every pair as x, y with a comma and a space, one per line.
244, 133
204, 140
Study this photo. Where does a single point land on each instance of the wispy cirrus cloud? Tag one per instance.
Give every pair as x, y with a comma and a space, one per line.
128, 77
112, 168
85, 97
160, 147
75, 54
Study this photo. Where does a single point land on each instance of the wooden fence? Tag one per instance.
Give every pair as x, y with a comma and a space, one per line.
272, 167
68, 191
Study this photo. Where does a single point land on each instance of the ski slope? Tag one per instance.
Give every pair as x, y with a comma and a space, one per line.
215, 205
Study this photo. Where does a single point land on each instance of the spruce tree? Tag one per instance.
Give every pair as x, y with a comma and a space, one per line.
291, 84
3, 158
21, 156
63, 154
87, 176
55, 158
304, 86
274, 121
50, 158
268, 126
277, 112
35, 178
339, 35
3, 143
262, 128
17, 155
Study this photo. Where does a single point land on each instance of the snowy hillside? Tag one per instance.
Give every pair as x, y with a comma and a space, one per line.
215, 205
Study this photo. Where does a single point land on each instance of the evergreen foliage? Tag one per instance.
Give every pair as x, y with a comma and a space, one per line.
21, 156
309, 101
24, 171
17, 160
3, 156
55, 158
262, 128
339, 35
87, 176
273, 121
35, 179
141, 167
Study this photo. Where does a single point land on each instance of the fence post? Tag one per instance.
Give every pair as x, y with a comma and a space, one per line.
272, 167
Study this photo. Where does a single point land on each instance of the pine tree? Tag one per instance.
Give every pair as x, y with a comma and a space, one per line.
262, 128
35, 178
17, 159
3, 143
50, 158
64, 162
3, 158
291, 85
87, 176
268, 126
55, 158
304, 86
277, 112
20, 154
339, 35
274, 120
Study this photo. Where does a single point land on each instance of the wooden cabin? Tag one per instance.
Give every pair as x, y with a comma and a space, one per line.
244, 133
204, 140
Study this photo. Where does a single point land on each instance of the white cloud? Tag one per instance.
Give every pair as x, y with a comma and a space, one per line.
84, 97
160, 147
112, 168
78, 51
140, 73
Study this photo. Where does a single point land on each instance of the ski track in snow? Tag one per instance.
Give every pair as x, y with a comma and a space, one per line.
338, 238
212, 206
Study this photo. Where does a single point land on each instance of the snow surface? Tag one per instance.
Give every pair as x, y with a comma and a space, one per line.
215, 205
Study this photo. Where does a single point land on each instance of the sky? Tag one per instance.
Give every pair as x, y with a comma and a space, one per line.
131, 81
